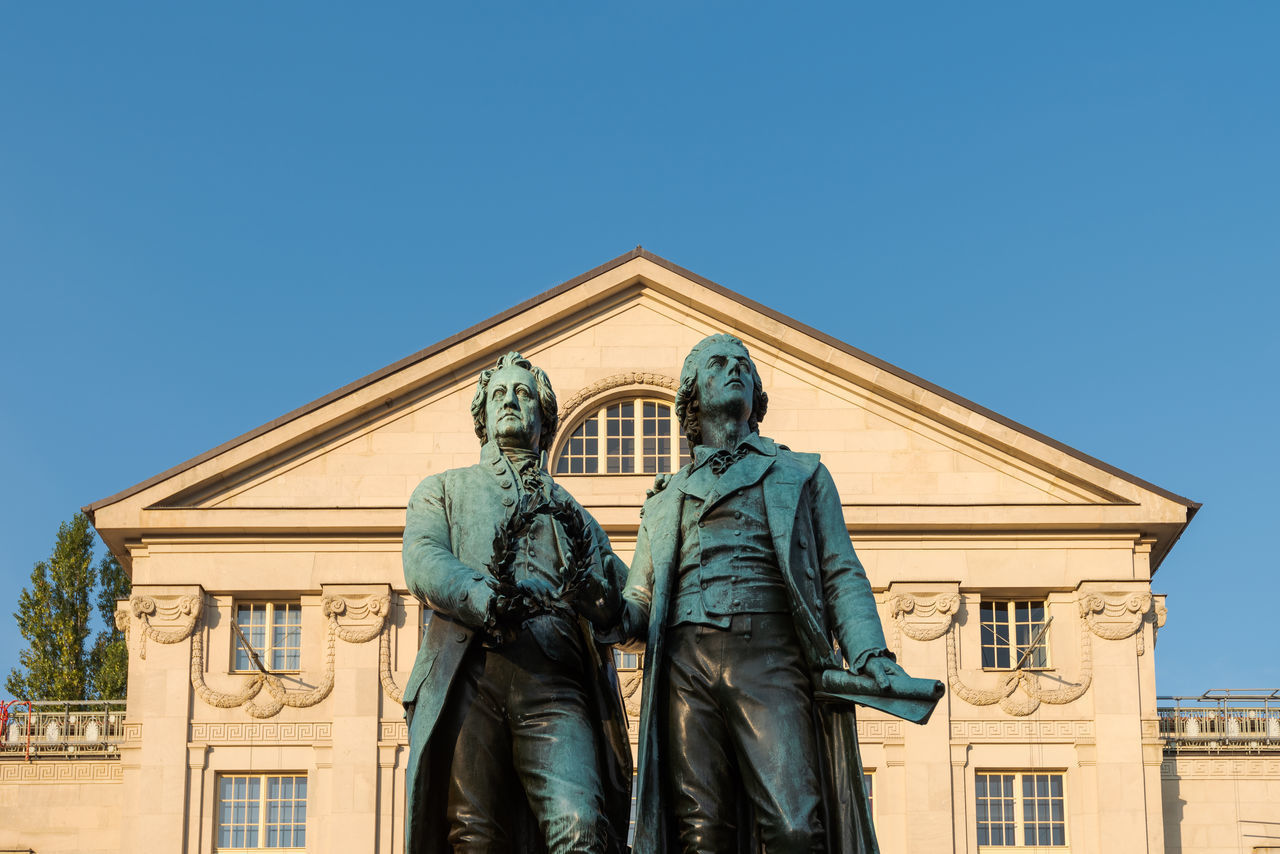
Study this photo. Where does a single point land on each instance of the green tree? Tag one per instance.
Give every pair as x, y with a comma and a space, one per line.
54, 614
109, 657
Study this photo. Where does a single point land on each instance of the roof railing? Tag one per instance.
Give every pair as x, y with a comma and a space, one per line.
85, 729
1221, 720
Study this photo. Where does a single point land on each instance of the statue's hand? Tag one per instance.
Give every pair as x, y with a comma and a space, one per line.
598, 602
883, 670
537, 594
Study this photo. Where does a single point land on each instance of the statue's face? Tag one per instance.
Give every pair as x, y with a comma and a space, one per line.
724, 380
513, 417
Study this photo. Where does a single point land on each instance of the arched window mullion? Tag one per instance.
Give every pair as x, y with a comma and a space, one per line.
629, 436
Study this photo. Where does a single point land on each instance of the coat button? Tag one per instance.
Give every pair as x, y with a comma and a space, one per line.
737, 533
507, 500
737, 514
504, 483
460, 637
808, 571
804, 544
737, 602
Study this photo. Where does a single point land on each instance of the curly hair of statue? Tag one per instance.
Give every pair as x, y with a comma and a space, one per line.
687, 407
546, 397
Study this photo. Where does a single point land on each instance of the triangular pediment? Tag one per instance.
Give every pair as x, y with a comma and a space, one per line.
892, 441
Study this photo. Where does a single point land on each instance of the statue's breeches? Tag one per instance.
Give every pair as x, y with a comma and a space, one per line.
739, 707
521, 722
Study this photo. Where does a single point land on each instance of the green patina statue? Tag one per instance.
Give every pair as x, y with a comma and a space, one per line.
743, 576
517, 735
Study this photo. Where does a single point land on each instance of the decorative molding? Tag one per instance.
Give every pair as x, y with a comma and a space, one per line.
393, 731
932, 618
889, 732
1116, 616
1015, 679
631, 682
569, 410
273, 732
1021, 731
373, 608
52, 771
385, 676
354, 619
184, 610
1253, 767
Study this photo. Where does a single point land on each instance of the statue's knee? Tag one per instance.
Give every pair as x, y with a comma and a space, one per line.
575, 829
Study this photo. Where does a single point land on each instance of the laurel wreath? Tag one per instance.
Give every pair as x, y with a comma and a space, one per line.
512, 608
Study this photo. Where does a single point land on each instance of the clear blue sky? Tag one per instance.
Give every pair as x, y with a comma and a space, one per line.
1069, 214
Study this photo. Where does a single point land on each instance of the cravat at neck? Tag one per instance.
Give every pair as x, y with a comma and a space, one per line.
722, 459
528, 467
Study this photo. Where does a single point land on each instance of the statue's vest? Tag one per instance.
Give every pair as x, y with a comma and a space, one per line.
727, 561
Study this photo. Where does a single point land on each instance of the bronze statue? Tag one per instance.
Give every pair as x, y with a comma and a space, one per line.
743, 575
517, 735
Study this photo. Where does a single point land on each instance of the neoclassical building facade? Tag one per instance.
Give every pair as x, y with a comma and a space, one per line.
270, 629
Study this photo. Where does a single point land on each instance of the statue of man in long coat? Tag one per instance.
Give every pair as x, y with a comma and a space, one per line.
517, 732
743, 575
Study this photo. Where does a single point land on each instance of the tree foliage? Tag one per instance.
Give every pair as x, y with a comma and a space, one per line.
109, 657
54, 616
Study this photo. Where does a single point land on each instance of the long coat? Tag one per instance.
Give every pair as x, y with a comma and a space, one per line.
448, 540
830, 598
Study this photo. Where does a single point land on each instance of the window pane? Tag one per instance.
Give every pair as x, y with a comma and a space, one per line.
581, 449
1029, 620
995, 635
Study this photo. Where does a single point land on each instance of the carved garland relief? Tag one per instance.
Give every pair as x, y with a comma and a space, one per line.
1118, 618
1108, 617
188, 611
569, 410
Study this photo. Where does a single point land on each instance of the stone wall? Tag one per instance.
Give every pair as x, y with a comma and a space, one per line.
1221, 805
53, 805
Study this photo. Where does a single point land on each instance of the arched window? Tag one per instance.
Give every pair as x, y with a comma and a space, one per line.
631, 436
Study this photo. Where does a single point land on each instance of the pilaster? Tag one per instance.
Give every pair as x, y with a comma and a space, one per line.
161, 620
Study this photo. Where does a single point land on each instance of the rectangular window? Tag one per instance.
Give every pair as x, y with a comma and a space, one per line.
274, 630
869, 786
1020, 810
1008, 628
262, 811
626, 660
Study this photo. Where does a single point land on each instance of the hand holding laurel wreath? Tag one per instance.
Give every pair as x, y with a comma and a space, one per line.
517, 601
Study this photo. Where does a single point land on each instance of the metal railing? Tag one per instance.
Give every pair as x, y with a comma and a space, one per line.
89, 729
1221, 721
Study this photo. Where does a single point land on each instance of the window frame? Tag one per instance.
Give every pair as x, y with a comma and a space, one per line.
1008, 606
263, 799
627, 662
1019, 815
679, 454
265, 654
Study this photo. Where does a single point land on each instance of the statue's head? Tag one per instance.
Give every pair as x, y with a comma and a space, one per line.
718, 375
514, 405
